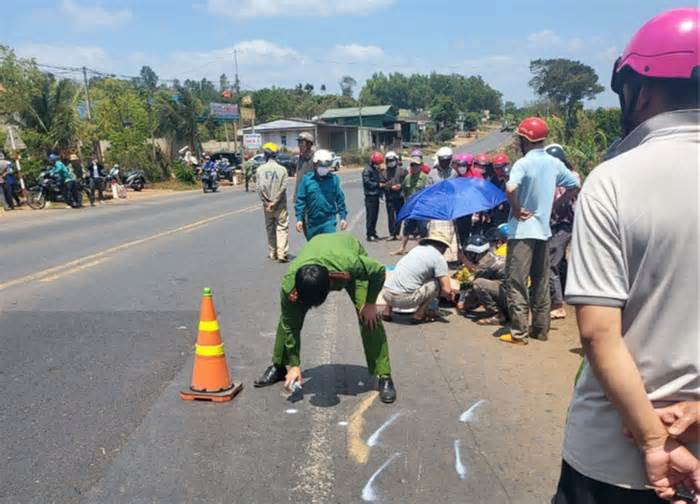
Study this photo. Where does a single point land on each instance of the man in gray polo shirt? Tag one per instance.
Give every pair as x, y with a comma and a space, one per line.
633, 277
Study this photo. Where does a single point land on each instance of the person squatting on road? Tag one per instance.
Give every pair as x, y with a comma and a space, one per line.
320, 199
393, 196
330, 262
419, 278
415, 181
633, 277
530, 192
489, 271
561, 222
272, 189
373, 187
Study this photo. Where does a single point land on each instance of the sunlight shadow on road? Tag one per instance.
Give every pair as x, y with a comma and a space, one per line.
327, 382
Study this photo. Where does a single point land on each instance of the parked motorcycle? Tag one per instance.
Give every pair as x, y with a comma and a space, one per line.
133, 179
50, 189
210, 180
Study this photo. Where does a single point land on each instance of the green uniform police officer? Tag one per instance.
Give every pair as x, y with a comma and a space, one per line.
333, 261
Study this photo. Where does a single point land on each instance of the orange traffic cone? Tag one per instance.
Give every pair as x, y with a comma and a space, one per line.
210, 377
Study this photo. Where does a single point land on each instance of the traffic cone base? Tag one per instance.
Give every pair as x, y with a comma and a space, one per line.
211, 380
221, 396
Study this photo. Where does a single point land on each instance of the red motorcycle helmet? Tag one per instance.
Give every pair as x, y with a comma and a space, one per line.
500, 160
483, 159
376, 158
533, 129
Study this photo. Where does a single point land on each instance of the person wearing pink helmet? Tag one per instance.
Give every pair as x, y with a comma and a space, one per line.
633, 279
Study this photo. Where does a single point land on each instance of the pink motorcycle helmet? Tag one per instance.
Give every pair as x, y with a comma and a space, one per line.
667, 46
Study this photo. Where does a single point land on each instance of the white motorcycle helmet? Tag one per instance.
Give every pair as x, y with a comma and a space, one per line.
323, 160
444, 153
391, 159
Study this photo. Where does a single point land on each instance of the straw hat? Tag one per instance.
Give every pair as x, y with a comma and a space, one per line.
437, 236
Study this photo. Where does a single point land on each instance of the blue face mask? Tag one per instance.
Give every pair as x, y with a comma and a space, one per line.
322, 171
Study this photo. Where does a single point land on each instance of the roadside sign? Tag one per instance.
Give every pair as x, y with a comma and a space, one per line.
247, 114
252, 141
13, 142
227, 111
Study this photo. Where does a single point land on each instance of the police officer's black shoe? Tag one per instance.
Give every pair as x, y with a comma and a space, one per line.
387, 392
272, 375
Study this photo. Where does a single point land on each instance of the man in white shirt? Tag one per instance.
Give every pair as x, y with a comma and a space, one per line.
633, 277
419, 277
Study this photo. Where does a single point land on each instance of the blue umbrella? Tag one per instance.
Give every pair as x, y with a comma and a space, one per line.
452, 198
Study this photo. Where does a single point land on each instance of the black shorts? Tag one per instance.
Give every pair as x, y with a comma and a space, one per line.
575, 488
415, 227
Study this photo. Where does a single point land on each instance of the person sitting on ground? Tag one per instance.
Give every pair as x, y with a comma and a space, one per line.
419, 278
489, 272
320, 200
415, 181
330, 262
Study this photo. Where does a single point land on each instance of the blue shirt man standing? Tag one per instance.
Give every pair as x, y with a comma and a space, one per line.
530, 192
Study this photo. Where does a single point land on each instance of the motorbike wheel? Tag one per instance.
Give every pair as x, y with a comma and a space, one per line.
204, 188
138, 185
36, 200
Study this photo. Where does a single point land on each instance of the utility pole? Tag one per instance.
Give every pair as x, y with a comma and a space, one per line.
96, 146
237, 83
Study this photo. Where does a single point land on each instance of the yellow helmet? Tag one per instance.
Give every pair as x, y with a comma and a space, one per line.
270, 148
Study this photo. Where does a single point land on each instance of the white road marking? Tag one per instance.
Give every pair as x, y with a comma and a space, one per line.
468, 415
459, 467
291, 411
374, 438
368, 493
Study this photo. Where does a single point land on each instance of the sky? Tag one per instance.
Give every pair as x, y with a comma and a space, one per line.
285, 42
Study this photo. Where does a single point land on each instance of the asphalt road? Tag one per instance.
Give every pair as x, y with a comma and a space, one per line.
98, 315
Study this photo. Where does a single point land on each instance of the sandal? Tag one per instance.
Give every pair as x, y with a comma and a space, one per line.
491, 321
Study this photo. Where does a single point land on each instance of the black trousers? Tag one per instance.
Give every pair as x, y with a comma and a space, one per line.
372, 208
575, 488
393, 205
96, 184
7, 195
463, 226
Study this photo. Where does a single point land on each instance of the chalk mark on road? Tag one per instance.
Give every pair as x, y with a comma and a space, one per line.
468, 415
459, 467
368, 493
357, 448
374, 438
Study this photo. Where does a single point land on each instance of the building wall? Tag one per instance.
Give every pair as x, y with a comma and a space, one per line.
286, 138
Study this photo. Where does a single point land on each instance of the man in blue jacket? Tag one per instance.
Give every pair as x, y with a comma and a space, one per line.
320, 200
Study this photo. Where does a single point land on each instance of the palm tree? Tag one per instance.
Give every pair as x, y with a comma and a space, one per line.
53, 113
177, 118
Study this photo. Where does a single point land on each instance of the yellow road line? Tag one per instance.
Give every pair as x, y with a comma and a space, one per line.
63, 273
55, 272
357, 448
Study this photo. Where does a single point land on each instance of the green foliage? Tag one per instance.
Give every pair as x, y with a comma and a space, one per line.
446, 135
566, 83
444, 111
347, 84
471, 121
417, 92
355, 157
184, 173
31, 169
